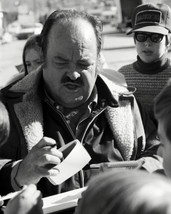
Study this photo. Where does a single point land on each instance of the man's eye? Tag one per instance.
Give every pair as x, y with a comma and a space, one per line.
28, 64
39, 61
61, 63
84, 65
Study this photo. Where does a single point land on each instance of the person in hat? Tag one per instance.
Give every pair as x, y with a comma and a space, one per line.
151, 27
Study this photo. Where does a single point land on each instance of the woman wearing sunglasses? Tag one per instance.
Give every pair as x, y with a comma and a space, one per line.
151, 27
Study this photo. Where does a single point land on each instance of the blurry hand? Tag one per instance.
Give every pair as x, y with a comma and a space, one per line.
1, 203
40, 162
29, 201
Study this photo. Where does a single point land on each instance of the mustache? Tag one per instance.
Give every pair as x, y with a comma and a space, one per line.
67, 79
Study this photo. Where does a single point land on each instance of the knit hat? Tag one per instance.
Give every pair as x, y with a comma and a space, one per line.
154, 18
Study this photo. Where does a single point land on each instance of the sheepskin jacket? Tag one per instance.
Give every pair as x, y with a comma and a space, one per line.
121, 134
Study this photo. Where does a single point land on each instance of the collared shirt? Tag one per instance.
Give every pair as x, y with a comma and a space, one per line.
76, 118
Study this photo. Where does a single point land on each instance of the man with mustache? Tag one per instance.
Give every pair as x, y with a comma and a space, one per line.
69, 99
151, 27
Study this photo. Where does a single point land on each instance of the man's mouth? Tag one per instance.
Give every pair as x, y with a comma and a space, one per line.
72, 86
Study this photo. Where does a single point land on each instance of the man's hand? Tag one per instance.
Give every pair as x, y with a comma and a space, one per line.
29, 201
40, 162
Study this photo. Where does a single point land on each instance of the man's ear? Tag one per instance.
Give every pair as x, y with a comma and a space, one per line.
168, 40
100, 62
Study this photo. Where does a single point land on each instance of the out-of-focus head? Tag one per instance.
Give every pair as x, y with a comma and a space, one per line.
162, 112
126, 191
4, 123
71, 43
32, 54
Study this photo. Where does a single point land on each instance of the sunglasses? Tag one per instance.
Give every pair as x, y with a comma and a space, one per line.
154, 37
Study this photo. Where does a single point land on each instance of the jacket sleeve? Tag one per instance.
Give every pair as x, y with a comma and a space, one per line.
150, 141
5, 176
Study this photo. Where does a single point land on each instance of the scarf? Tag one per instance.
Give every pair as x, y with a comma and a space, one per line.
152, 67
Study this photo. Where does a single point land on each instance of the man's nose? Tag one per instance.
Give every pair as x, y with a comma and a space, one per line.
72, 73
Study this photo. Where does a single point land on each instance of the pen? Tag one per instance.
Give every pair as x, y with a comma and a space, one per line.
53, 146
130, 164
9, 196
50, 146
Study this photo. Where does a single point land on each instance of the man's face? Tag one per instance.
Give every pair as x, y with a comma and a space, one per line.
71, 62
165, 147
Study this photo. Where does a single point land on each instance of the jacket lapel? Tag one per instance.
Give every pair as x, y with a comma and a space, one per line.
122, 121
29, 111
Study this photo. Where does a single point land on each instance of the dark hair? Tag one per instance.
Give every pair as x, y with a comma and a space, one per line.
162, 107
4, 123
68, 15
33, 41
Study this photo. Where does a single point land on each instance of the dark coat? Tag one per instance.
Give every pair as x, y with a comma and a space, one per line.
114, 133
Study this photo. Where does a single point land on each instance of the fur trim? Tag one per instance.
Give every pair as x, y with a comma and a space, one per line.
121, 123
122, 119
29, 112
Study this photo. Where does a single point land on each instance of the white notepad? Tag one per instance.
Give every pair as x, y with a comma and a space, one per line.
62, 201
75, 158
